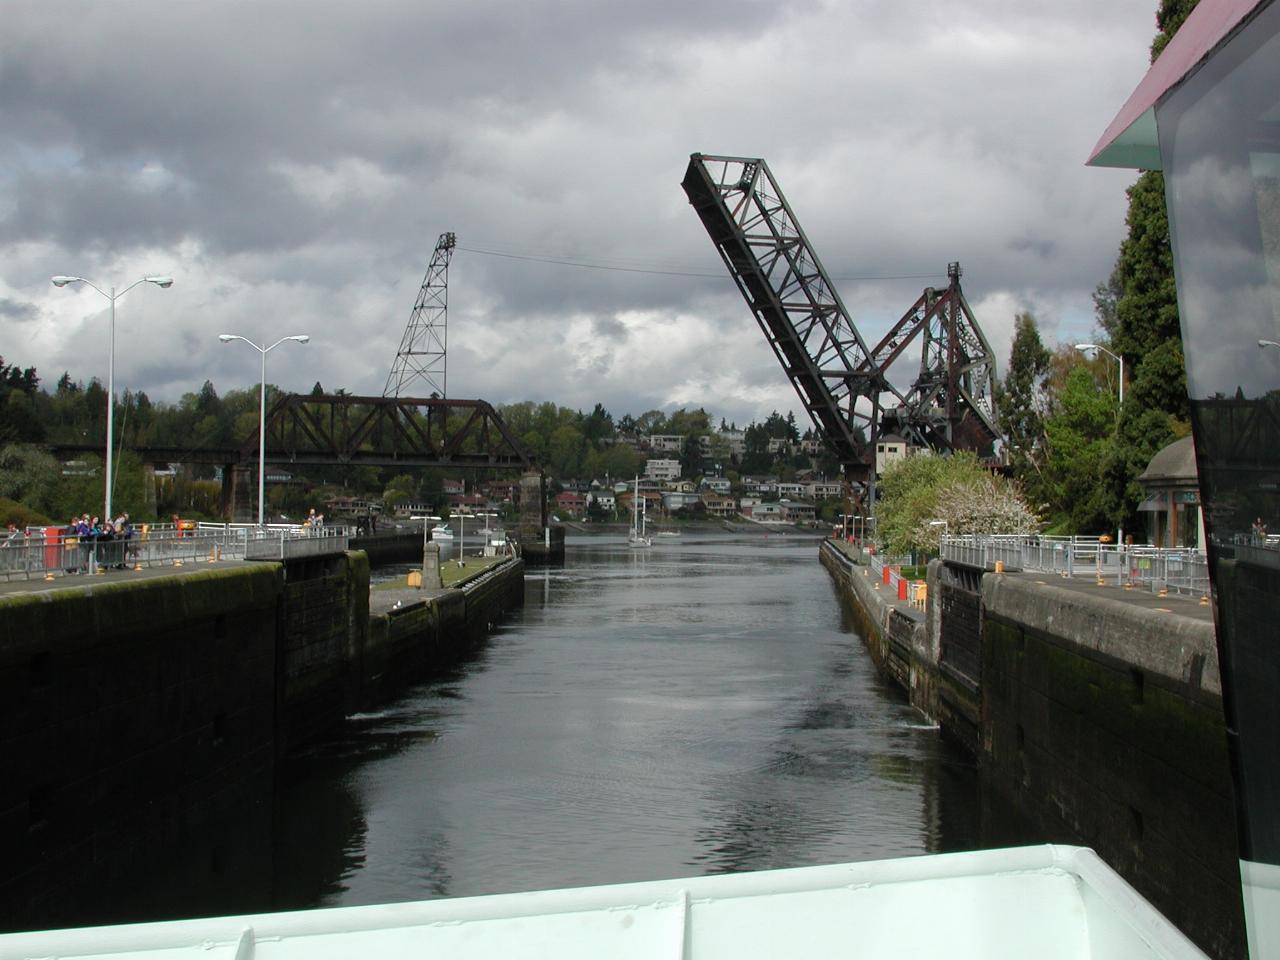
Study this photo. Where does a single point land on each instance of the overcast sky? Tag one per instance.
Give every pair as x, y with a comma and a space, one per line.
292, 165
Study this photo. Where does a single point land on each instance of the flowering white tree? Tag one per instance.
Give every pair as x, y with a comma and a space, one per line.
919, 491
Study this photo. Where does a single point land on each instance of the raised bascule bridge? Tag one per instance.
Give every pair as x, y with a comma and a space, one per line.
843, 382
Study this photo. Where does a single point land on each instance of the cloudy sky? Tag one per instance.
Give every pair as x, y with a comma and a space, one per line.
292, 165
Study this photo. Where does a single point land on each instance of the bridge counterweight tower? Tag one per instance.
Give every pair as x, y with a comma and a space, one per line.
843, 385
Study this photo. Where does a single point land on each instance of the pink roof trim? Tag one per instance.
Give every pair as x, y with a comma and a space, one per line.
1207, 26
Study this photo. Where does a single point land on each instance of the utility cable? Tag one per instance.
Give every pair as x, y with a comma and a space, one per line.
589, 265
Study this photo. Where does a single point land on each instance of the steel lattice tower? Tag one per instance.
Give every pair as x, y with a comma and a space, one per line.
422, 353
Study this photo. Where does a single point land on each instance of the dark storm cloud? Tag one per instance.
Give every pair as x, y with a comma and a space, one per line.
16, 311
293, 166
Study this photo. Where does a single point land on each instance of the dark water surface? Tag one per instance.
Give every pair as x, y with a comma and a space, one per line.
697, 707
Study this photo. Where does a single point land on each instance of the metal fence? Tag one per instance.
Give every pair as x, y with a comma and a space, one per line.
1181, 570
57, 555
291, 545
36, 556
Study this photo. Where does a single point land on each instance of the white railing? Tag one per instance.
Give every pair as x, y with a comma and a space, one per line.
35, 556
294, 543
1182, 570
56, 555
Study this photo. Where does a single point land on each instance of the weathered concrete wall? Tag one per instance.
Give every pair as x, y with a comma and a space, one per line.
409, 642
122, 706
541, 546
323, 609
139, 715
383, 548
1105, 721
1100, 722
896, 638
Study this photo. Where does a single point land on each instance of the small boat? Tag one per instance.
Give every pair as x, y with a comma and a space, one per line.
441, 531
668, 533
636, 537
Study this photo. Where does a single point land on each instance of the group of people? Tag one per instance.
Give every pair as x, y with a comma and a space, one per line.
104, 542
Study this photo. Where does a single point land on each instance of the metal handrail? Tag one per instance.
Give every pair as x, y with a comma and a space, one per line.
1182, 570
60, 555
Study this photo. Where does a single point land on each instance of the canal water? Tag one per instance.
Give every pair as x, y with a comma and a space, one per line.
699, 706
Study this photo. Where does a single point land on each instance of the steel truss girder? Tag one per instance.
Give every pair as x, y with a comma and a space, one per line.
843, 384
388, 431
794, 302
423, 353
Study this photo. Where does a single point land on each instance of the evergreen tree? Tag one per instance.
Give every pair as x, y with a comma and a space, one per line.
1021, 400
1138, 309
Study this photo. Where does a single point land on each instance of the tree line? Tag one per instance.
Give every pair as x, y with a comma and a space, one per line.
568, 443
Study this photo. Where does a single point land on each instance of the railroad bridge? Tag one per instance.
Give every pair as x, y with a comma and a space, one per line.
342, 429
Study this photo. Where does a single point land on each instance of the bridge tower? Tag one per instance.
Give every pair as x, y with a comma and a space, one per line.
423, 349
842, 382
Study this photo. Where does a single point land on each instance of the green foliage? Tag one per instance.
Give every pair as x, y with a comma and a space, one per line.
21, 515
29, 476
1080, 442
917, 492
19, 420
1138, 310
1021, 399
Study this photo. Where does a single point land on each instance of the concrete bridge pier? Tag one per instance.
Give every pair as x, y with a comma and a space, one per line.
237, 502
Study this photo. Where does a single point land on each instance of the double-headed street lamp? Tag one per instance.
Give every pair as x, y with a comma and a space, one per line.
262, 408
1085, 348
164, 283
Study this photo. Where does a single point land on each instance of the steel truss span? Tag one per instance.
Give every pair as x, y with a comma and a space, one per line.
377, 431
422, 358
390, 431
842, 383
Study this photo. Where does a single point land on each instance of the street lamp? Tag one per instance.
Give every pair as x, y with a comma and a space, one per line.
1085, 348
164, 283
262, 408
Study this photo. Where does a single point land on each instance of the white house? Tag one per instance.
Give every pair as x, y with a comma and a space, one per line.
662, 469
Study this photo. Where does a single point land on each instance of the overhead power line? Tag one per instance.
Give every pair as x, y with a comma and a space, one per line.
589, 265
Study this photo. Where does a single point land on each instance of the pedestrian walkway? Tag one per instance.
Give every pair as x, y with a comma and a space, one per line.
10, 588
1084, 582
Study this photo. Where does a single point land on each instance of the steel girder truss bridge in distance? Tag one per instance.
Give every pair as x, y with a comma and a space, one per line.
372, 431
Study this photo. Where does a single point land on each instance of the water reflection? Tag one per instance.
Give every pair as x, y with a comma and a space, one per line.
697, 706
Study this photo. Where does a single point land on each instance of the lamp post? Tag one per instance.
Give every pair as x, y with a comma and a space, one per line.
1085, 348
262, 409
943, 525
163, 283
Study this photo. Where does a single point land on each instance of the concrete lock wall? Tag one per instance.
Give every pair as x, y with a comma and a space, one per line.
139, 714
1098, 721
120, 705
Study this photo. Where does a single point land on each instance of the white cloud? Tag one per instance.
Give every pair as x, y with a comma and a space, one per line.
297, 182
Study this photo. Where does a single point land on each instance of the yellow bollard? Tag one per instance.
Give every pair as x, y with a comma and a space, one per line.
999, 566
1163, 592
1128, 585
49, 575
1204, 600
